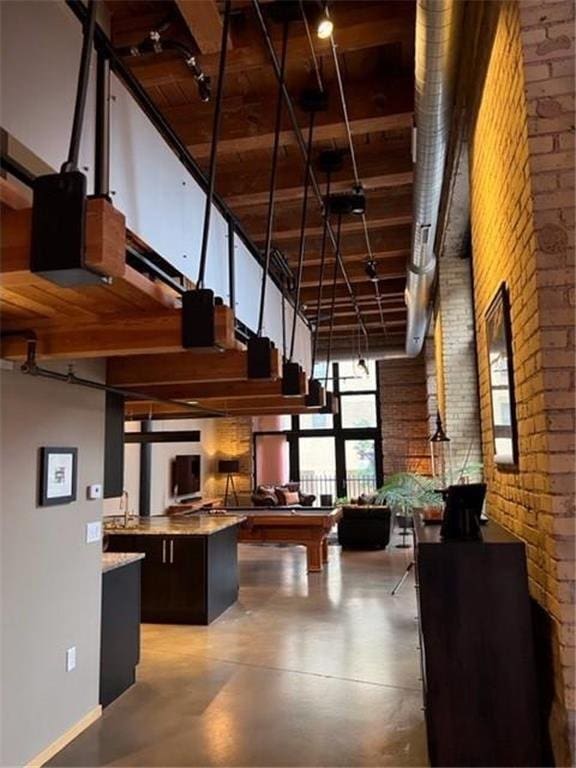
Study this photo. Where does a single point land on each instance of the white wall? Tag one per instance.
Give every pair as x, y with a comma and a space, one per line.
50, 578
162, 455
40, 42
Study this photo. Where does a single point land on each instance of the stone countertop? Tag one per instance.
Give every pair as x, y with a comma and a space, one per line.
196, 525
112, 560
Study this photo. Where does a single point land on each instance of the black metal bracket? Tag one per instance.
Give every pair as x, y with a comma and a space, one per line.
198, 318
260, 350
291, 376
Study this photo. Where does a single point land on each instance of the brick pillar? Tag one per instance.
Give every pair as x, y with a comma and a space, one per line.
404, 414
547, 31
458, 403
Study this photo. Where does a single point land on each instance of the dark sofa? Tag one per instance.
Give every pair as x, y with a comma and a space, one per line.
364, 526
273, 496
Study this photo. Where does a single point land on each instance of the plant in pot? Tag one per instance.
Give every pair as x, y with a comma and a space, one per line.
406, 492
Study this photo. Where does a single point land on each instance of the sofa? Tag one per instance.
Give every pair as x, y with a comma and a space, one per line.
364, 526
287, 495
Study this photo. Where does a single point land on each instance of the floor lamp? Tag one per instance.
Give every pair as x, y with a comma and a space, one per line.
229, 467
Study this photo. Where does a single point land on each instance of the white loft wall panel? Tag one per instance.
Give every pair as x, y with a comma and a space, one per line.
248, 275
217, 275
303, 341
161, 201
40, 45
273, 314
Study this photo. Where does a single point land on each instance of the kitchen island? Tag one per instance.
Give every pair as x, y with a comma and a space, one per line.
190, 572
120, 625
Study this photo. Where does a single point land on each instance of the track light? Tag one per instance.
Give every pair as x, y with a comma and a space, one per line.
358, 200
202, 79
324, 25
371, 270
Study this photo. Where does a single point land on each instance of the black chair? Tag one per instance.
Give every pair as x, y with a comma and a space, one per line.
364, 527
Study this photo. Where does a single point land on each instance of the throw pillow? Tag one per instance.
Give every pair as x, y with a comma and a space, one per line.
287, 498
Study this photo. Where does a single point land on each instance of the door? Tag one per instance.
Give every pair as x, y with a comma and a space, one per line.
317, 459
360, 466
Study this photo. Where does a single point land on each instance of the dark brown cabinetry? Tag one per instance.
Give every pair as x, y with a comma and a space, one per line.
119, 631
479, 675
185, 579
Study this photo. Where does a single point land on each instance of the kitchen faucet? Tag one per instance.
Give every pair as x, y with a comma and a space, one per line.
124, 505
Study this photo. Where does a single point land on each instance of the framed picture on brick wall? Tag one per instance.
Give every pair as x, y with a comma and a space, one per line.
501, 373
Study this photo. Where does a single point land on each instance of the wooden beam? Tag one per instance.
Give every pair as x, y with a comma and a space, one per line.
183, 367
105, 239
380, 204
394, 286
249, 388
139, 410
387, 269
14, 196
387, 238
372, 25
112, 336
166, 436
204, 22
348, 227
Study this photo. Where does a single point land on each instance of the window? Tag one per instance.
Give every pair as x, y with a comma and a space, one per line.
358, 411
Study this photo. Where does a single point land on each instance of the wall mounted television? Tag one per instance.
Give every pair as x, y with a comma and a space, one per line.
185, 475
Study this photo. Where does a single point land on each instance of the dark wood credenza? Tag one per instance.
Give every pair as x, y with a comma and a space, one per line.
477, 650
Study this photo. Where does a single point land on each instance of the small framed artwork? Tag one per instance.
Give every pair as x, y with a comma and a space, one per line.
501, 372
58, 468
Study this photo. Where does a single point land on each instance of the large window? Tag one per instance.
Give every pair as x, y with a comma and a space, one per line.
340, 455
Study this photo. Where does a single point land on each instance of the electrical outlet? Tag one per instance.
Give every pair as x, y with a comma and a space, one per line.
93, 531
71, 659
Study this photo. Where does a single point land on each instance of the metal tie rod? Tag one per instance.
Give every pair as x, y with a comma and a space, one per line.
301, 143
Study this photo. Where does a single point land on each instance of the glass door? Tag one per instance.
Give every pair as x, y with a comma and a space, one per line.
360, 466
317, 459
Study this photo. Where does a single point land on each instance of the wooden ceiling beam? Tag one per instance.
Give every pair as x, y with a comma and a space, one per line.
183, 367
351, 225
396, 285
372, 28
203, 19
113, 336
388, 269
248, 123
232, 390
388, 238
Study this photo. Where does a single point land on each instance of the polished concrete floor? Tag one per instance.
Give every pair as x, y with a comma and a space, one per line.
305, 670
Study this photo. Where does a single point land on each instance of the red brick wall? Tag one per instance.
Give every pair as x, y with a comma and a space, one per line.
404, 414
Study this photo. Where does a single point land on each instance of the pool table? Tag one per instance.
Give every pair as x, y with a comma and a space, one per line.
308, 526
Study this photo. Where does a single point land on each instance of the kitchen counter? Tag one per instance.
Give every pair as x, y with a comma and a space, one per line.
190, 572
198, 525
112, 560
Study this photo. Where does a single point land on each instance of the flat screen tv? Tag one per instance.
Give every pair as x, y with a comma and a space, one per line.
186, 475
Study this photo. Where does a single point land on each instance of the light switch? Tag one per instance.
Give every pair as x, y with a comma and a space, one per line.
93, 532
71, 659
94, 491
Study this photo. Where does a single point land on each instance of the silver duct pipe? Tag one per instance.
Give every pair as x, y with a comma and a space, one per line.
436, 30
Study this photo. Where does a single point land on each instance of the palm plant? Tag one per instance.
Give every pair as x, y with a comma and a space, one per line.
408, 491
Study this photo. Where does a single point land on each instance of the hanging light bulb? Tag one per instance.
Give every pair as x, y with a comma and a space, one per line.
363, 368
371, 270
324, 25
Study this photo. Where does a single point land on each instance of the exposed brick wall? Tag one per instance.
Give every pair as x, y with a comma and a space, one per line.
456, 360
521, 164
404, 414
233, 440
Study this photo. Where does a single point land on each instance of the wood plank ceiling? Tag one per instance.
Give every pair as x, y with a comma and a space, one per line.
375, 43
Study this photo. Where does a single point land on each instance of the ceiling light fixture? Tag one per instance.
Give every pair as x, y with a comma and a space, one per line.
202, 79
358, 200
371, 270
324, 25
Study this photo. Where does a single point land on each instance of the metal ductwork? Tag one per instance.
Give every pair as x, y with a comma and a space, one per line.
436, 46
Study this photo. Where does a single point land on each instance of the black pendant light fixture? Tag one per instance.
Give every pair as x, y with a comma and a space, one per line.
198, 306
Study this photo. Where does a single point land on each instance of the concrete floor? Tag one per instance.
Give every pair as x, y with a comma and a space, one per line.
305, 670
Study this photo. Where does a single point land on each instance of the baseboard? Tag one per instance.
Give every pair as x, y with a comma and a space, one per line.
66, 738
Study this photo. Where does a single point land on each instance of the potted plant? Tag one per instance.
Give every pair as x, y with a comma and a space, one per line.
405, 492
